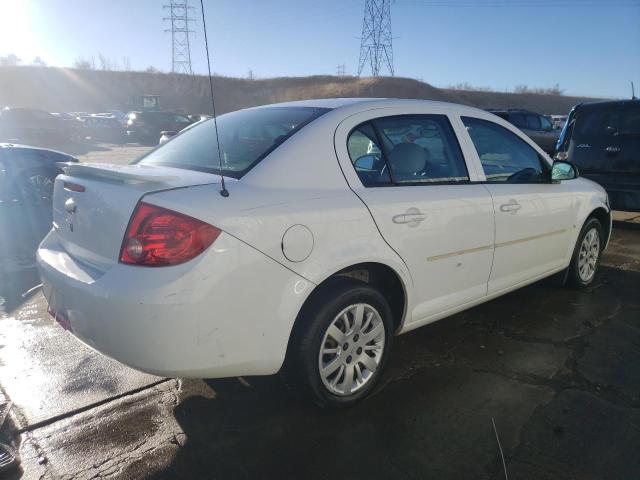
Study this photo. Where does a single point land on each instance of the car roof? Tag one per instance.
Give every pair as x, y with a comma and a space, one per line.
16, 146
368, 103
511, 110
609, 103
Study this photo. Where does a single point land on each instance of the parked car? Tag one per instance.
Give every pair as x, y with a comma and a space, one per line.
26, 189
603, 140
558, 121
537, 127
342, 223
118, 114
37, 127
103, 128
147, 126
166, 136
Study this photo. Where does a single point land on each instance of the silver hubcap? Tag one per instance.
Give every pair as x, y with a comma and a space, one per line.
351, 349
588, 256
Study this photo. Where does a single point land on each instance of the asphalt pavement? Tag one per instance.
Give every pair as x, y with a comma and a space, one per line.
556, 370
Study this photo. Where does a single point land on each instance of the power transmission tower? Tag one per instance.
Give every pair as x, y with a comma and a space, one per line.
376, 42
180, 21
340, 70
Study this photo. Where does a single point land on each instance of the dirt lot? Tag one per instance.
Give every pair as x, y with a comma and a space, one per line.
557, 370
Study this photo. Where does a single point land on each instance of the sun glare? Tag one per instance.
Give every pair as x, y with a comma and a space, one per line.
17, 32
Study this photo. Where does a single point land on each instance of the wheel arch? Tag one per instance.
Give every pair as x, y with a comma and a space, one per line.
379, 275
604, 217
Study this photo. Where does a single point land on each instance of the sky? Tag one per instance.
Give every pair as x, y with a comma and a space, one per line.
588, 47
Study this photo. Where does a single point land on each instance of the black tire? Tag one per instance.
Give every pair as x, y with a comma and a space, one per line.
574, 279
301, 370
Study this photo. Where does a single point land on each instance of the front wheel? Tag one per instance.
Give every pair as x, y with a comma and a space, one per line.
586, 255
342, 343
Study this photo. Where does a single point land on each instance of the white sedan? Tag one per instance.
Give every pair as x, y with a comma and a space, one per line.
347, 222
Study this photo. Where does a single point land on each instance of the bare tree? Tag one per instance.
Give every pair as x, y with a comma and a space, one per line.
105, 63
82, 63
10, 60
555, 90
152, 69
467, 86
126, 64
39, 62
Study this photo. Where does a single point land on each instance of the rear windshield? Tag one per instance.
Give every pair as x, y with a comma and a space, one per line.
246, 137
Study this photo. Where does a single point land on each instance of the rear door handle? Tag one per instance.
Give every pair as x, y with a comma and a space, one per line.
511, 207
410, 217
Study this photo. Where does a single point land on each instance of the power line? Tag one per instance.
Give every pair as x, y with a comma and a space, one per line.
520, 3
376, 43
180, 30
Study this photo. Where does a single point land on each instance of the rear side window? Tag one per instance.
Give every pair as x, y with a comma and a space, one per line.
505, 157
631, 122
246, 137
366, 156
600, 124
533, 122
518, 119
593, 124
407, 149
421, 149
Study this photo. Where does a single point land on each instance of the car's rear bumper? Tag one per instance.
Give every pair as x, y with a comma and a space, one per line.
228, 312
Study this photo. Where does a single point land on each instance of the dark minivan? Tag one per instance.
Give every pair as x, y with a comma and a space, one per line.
603, 140
535, 126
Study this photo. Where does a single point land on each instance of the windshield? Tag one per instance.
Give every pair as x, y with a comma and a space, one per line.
246, 137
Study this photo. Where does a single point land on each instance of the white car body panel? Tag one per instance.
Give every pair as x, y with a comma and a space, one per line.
179, 321
298, 217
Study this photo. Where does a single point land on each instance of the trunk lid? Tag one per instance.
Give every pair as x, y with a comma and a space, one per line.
92, 204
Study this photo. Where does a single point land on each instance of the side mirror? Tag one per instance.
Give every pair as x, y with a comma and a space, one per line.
365, 162
562, 170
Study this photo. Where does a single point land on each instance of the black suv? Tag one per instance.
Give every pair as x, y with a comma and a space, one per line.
603, 140
535, 126
147, 126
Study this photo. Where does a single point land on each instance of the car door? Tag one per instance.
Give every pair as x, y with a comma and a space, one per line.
533, 217
410, 172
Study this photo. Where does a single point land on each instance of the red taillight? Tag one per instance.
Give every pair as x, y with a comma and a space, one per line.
157, 237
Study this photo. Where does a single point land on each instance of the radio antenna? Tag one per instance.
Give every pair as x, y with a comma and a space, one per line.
223, 190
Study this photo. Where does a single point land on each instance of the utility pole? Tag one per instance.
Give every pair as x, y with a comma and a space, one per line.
376, 47
340, 70
180, 21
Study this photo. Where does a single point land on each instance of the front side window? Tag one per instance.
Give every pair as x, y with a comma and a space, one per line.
546, 124
505, 157
181, 119
246, 137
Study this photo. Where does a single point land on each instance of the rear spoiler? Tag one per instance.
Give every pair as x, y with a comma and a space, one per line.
130, 174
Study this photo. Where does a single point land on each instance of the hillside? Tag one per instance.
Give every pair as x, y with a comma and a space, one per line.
58, 89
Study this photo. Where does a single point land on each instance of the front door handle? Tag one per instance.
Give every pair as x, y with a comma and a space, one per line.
511, 207
612, 149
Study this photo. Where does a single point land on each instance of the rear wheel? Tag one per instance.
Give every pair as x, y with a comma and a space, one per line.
341, 346
586, 255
